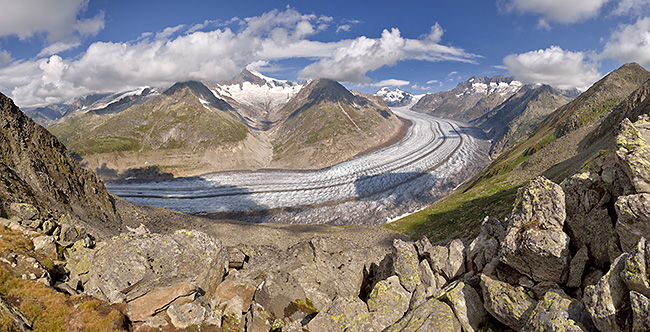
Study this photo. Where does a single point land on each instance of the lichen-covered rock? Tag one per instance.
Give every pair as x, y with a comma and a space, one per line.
128, 266
432, 315
588, 220
633, 219
577, 268
535, 244
556, 311
634, 155
539, 203
24, 211
640, 312
406, 264
634, 273
540, 254
338, 315
509, 304
603, 299
388, 302
466, 304
455, 265
184, 315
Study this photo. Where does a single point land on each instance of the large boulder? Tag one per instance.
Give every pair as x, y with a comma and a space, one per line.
535, 244
388, 302
577, 268
432, 315
634, 155
640, 312
556, 311
129, 266
588, 221
406, 264
605, 299
338, 315
509, 304
633, 219
278, 292
466, 304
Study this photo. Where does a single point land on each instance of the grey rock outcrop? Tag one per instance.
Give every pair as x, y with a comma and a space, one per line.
406, 264
466, 304
433, 315
128, 267
338, 315
535, 244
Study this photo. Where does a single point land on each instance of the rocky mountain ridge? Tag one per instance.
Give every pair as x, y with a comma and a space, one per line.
245, 123
469, 99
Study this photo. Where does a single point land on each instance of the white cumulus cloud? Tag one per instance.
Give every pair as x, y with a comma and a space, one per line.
182, 53
56, 19
554, 66
390, 82
561, 11
352, 60
630, 43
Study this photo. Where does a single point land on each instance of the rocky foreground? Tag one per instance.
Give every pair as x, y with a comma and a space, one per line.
571, 257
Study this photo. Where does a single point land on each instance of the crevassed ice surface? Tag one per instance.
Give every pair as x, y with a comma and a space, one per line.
432, 146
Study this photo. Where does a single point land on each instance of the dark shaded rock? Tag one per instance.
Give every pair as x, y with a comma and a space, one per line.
588, 220
577, 267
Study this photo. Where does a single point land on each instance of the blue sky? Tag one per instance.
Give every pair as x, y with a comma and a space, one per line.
56, 50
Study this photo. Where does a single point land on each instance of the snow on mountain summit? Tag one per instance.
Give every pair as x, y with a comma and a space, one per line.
253, 88
395, 97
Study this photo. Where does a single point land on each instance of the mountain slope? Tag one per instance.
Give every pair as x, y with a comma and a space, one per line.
469, 100
492, 191
326, 124
514, 120
35, 168
179, 126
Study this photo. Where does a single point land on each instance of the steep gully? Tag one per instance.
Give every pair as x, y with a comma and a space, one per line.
434, 156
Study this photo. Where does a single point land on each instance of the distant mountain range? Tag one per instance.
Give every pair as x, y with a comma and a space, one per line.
249, 122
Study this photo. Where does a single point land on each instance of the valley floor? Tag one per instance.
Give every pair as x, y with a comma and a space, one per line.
432, 158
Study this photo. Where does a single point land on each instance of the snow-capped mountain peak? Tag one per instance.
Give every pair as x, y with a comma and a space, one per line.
395, 97
253, 88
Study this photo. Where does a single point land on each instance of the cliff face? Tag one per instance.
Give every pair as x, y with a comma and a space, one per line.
35, 168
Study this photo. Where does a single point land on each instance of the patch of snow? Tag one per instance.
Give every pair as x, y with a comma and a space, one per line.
250, 94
